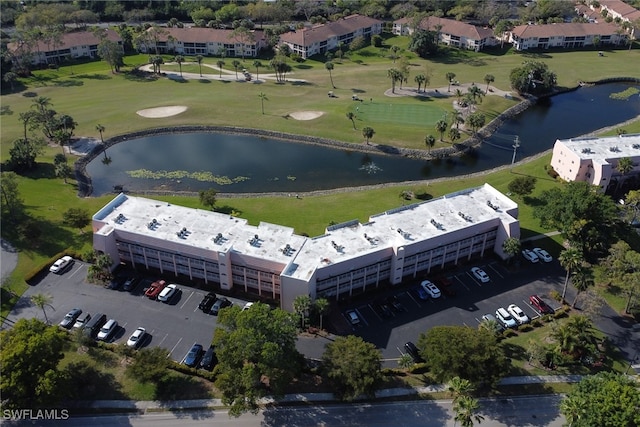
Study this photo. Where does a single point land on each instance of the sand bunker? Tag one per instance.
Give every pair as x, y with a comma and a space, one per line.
155, 113
306, 115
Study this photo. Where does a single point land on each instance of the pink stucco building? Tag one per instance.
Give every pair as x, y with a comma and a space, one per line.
595, 160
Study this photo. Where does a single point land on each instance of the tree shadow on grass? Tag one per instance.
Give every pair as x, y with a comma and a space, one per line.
424, 196
86, 382
175, 386
533, 201
94, 76
228, 210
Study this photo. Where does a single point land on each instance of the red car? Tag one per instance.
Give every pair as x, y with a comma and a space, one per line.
154, 290
540, 305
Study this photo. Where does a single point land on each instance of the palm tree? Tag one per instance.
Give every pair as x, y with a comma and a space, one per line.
465, 409
454, 134
101, 129
41, 301
329, 66
458, 119
450, 76
351, 117
430, 141
625, 165
441, 127
368, 133
459, 95
511, 247
459, 387
488, 79
475, 91
322, 306
491, 326
236, 65
394, 53
406, 361
570, 259
263, 98
395, 75
257, 64
199, 59
220, 64
573, 407
301, 305
582, 279
420, 79
157, 62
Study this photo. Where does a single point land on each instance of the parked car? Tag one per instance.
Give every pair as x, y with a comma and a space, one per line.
193, 357
518, 314
155, 288
92, 327
137, 338
491, 318
480, 274
168, 293
450, 292
70, 318
61, 265
530, 256
207, 302
430, 289
82, 321
131, 283
505, 318
117, 282
247, 306
353, 317
539, 304
107, 330
209, 360
420, 293
543, 255
220, 304
412, 350
443, 281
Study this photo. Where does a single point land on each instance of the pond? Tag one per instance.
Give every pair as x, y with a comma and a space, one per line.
253, 164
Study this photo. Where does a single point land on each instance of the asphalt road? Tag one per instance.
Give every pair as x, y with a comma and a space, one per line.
533, 411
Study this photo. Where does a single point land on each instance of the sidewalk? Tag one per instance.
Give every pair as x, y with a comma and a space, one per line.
177, 405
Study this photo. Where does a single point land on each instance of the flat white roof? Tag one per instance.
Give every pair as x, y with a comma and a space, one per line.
401, 227
601, 149
204, 229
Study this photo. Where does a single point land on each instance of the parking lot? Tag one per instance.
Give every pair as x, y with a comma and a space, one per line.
390, 329
175, 326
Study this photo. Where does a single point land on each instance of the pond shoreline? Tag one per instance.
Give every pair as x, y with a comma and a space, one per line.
85, 187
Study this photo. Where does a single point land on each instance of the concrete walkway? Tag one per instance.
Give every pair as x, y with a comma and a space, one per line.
177, 405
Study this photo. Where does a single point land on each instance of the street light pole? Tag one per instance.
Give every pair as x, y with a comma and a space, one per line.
515, 146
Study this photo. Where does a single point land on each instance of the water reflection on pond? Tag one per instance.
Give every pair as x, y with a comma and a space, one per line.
239, 163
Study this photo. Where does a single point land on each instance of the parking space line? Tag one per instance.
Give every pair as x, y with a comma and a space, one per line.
374, 312
74, 272
174, 347
187, 300
413, 299
494, 269
165, 337
462, 283
474, 279
361, 316
531, 308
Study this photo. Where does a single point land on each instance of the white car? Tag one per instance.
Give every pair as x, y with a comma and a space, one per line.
136, 338
168, 293
247, 306
530, 255
480, 274
518, 314
353, 317
505, 318
543, 255
107, 330
430, 289
61, 265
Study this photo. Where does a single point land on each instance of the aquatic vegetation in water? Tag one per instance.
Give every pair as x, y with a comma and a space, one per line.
198, 176
625, 94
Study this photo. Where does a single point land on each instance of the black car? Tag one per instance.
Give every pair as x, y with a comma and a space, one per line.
395, 303
131, 283
207, 302
220, 304
193, 357
412, 350
117, 282
70, 318
209, 359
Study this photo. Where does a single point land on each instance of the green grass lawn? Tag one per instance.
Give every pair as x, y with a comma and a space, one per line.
92, 95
